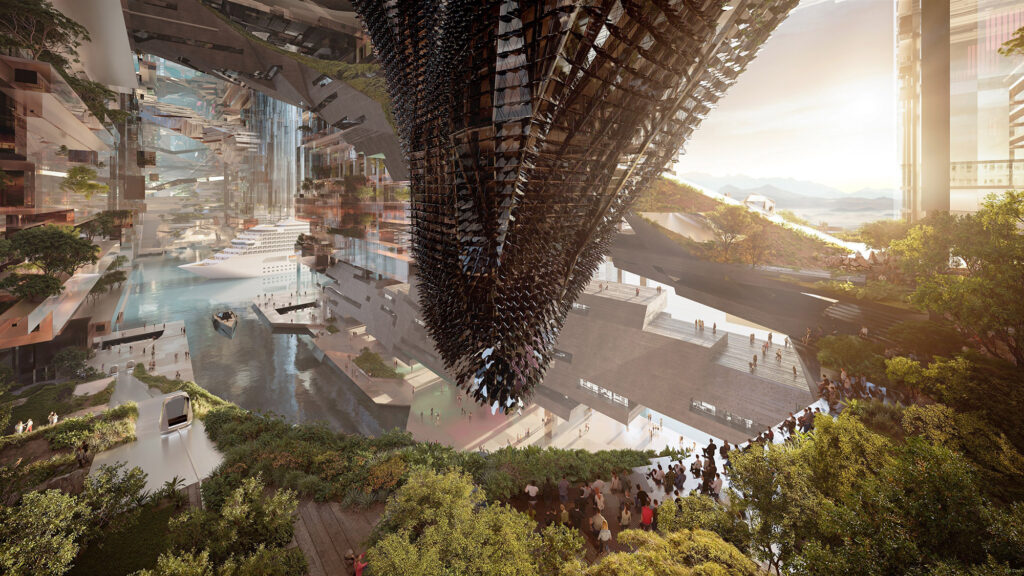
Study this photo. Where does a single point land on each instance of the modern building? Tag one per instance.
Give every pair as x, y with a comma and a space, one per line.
529, 128
961, 113
620, 352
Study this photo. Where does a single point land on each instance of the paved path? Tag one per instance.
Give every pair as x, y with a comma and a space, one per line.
325, 531
188, 453
170, 358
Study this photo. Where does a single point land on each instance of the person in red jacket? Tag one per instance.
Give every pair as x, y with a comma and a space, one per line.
646, 517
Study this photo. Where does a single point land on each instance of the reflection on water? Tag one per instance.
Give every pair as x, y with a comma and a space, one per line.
257, 370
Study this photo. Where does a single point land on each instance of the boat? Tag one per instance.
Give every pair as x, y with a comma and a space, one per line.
259, 251
225, 322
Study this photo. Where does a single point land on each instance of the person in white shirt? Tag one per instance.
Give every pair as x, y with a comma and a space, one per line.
532, 491
716, 486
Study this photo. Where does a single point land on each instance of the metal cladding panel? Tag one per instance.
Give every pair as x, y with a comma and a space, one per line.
530, 128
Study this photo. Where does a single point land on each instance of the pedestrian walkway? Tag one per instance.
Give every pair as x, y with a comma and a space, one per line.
170, 358
325, 532
342, 348
290, 312
187, 453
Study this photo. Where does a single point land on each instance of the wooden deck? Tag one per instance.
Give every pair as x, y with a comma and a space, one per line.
324, 531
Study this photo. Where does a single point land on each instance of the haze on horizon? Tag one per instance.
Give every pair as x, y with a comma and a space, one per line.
819, 103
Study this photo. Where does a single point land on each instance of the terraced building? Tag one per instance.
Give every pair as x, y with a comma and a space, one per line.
530, 128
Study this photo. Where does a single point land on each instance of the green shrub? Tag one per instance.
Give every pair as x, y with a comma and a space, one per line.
374, 366
38, 537
202, 400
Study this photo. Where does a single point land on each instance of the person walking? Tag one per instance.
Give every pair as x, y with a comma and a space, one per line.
597, 523
625, 517
563, 515
599, 500
531, 491
604, 536
563, 490
646, 517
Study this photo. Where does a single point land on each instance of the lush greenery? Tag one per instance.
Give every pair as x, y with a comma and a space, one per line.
667, 195
202, 400
373, 365
33, 287
872, 290
845, 500
744, 237
82, 180
43, 534
854, 354
880, 233
438, 524
245, 535
132, 547
99, 432
317, 462
37, 402
55, 251
969, 270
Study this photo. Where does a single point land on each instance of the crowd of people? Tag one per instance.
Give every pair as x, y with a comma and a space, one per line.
857, 387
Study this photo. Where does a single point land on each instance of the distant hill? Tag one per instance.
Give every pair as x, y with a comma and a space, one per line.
802, 187
815, 202
786, 200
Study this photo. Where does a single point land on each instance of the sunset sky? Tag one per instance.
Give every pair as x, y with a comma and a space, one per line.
818, 103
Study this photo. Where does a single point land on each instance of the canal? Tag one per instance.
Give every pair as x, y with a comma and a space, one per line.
258, 370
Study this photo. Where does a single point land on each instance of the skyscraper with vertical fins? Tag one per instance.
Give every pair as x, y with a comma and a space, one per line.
529, 128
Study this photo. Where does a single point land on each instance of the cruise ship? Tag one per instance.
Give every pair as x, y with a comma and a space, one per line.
259, 251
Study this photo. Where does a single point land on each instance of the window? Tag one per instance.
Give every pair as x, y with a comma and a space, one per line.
563, 355
604, 392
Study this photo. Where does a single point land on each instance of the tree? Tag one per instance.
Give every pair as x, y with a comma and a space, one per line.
984, 303
760, 243
438, 524
853, 354
923, 252
999, 466
114, 495
262, 562
926, 338
730, 223
82, 180
33, 287
881, 233
38, 537
118, 262
54, 249
71, 360
699, 512
45, 32
247, 520
1015, 45
682, 553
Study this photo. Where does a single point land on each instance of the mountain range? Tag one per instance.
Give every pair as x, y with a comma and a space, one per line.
811, 200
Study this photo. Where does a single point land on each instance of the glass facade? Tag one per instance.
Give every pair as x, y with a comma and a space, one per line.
984, 95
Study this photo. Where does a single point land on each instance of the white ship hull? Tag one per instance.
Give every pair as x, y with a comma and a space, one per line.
263, 250
245, 266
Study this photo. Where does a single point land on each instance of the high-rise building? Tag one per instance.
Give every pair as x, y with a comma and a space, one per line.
961, 103
530, 128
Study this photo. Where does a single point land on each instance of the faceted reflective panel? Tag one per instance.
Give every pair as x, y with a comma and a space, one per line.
529, 129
